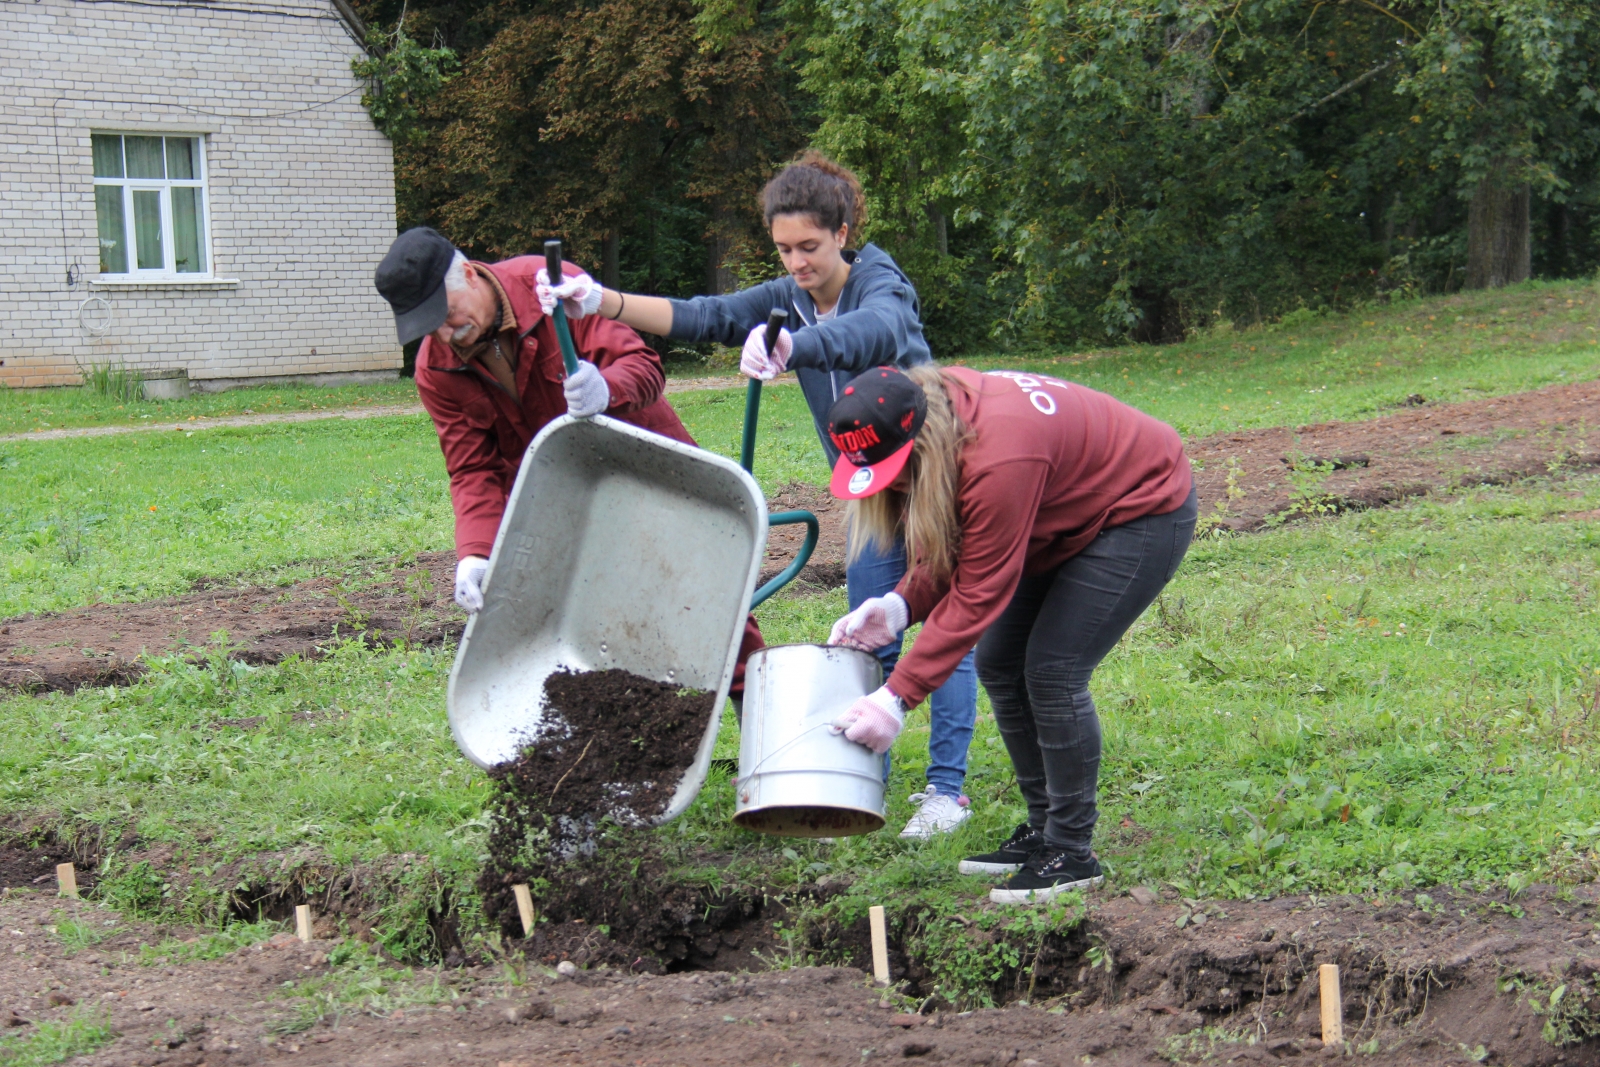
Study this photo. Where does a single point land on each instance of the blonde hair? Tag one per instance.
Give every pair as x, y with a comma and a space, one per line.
926, 512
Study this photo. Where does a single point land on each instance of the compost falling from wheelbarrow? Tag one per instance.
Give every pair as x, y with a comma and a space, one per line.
621, 553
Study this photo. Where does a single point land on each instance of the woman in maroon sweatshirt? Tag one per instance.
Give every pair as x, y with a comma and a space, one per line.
1041, 519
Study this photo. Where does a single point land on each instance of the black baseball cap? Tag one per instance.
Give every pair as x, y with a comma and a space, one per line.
411, 278
873, 424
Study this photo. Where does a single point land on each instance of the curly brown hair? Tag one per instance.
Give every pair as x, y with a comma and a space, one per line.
817, 187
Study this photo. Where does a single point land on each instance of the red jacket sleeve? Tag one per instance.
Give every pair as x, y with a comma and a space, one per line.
998, 510
631, 368
464, 419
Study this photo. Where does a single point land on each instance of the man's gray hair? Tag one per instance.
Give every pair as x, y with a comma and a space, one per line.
455, 279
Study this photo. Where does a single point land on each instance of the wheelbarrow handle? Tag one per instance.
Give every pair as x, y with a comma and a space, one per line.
552, 270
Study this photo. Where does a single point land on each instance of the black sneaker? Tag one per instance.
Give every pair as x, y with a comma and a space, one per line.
1008, 857
1049, 872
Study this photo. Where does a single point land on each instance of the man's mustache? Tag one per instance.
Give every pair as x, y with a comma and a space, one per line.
462, 333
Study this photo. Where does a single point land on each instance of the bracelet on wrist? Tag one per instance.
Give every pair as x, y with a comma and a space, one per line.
622, 302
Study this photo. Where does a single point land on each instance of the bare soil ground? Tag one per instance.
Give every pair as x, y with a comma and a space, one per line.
1388, 459
102, 644
1438, 979
1246, 480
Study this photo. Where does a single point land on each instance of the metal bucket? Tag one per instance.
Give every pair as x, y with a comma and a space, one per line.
796, 777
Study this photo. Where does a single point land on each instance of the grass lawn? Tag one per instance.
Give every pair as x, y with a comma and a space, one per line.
1364, 702
1306, 369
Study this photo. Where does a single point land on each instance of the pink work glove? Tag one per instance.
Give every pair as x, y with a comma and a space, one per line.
756, 362
877, 622
874, 721
578, 293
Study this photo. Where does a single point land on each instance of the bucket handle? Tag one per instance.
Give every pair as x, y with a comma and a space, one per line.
781, 749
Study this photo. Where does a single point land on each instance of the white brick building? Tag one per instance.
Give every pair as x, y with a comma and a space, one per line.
189, 184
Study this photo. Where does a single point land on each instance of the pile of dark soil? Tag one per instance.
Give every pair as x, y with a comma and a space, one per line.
567, 813
825, 570
611, 742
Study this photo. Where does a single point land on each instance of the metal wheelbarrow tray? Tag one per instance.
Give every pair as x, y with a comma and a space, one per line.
620, 548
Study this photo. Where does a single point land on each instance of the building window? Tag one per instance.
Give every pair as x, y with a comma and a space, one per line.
150, 206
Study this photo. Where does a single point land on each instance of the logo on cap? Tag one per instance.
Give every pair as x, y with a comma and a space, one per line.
860, 480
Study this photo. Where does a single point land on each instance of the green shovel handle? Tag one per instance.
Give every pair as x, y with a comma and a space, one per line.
552, 270
747, 458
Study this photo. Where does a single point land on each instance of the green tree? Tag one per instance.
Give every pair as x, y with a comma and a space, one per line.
639, 132
401, 76
1505, 90
873, 80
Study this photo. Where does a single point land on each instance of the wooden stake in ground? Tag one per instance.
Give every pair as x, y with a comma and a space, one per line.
1332, 1005
66, 880
880, 944
524, 908
302, 921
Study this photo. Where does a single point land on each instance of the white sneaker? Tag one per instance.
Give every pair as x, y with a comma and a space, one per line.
938, 813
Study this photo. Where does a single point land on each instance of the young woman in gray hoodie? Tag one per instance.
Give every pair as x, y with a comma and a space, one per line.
849, 310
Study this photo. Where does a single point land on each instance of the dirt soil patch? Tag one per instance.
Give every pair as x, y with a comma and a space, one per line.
1275, 472
1435, 978
826, 568
102, 644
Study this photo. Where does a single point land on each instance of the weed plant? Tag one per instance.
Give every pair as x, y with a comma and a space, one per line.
114, 381
50, 1041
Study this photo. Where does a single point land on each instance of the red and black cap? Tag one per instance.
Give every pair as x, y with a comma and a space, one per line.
873, 424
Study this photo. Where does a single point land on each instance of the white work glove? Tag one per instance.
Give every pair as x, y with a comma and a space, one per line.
875, 720
469, 583
587, 391
877, 622
756, 362
578, 293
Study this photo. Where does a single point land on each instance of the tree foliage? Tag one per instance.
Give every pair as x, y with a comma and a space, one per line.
621, 126
1044, 169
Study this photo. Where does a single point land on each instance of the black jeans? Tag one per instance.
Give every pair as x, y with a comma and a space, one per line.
1035, 662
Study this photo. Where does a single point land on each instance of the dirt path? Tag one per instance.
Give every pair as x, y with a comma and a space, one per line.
1435, 978
202, 422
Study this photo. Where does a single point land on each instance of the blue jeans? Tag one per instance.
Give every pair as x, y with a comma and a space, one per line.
953, 707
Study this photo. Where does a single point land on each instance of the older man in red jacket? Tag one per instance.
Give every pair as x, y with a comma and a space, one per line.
490, 374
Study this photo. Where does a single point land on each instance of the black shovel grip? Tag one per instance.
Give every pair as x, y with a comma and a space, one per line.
775, 320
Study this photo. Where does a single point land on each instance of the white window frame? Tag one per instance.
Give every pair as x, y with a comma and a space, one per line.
168, 271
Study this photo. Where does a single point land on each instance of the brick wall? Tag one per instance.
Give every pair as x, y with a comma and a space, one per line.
300, 183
